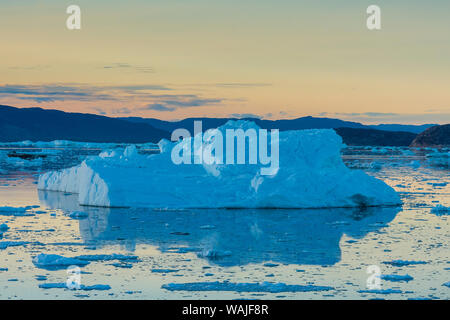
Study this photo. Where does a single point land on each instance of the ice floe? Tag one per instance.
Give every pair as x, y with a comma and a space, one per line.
401, 263
164, 270
82, 287
311, 174
243, 287
78, 215
53, 261
381, 291
396, 277
213, 254
7, 244
15, 211
107, 257
440, 210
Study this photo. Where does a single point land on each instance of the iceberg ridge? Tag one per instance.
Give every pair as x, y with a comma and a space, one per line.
311, 174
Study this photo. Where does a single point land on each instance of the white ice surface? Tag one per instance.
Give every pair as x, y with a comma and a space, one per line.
311, 175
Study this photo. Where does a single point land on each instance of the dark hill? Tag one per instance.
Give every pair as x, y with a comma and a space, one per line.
37, 124
437, 136
372, 137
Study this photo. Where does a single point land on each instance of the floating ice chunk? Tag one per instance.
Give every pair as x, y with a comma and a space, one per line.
208, 226
381, 291
122, 265
447, 284
164, 270
107, 257
4, 227
439, 159
16, 212
78, 215
54, 261
401, 263
440, 210
396, 277
213, 254
13, 209
311, 174
437, 184
270, 265
7, 244
101, 287
243, 287
376, 166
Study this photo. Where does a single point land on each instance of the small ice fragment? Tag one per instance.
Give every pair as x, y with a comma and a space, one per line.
82, 287
164, 270
6, 244
270, 265
122, 265
396, 277
401, 263
106, 257
78, 215
440, 210
243, 287
54, 261
381, 291
15, 212
213, 254
207, 227
12, 209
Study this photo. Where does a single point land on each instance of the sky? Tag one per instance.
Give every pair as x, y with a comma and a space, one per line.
173, 59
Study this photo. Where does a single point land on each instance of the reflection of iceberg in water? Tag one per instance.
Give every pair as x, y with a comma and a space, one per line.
252, 236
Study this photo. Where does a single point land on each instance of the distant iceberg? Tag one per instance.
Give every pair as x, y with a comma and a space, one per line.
311, 174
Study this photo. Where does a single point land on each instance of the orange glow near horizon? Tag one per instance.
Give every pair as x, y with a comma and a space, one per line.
272, 59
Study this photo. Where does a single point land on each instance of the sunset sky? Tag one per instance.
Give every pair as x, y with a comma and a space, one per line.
172, 59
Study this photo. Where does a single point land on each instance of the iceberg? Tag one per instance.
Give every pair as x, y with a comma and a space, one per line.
311, 174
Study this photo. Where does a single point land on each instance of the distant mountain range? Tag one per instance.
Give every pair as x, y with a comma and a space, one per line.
36, 124
283, 125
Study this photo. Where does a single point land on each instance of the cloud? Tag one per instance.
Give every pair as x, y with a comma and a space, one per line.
123, 110
135, 68
148, 95
99, 110
242, 85
78, 92
245, 115
158, 107
50, 93
30, 67
178, 101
